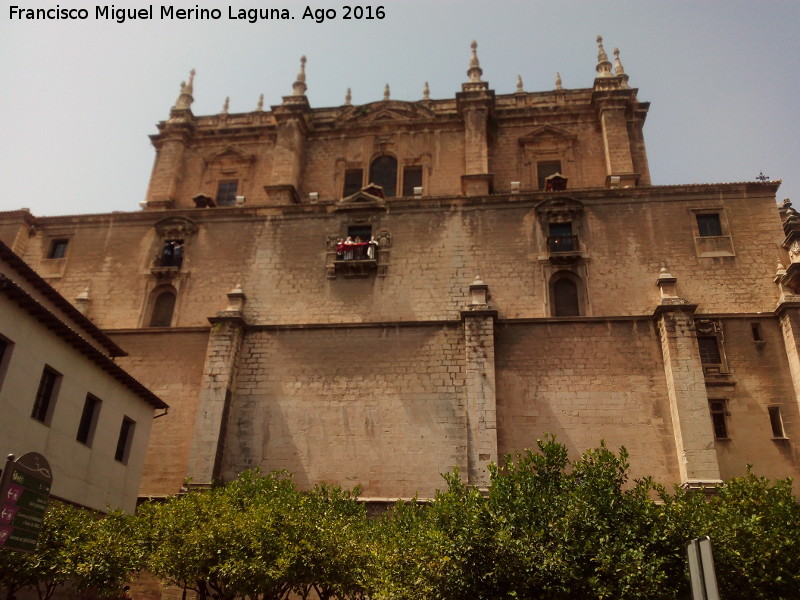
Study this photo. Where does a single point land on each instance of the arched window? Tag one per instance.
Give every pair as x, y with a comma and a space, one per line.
564, 296
163, 307
383, 172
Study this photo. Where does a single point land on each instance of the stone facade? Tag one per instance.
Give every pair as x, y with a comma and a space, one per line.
528, 280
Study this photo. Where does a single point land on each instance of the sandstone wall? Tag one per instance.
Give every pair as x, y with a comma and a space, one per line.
586, 383
379, 407
171, 366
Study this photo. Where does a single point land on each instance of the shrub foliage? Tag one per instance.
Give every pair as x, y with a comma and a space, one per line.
548, 528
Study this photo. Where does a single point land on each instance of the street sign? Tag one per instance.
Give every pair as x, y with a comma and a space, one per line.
24, 492
701, 569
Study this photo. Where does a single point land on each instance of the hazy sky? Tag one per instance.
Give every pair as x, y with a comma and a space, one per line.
80, 97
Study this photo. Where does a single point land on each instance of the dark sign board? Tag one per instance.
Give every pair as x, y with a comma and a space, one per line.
24, 492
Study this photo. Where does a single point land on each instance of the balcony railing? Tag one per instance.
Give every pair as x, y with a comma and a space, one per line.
562, 243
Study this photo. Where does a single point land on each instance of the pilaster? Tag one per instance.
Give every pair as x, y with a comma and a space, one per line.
480, 385
698, 466
611, 107
475, 106
789, 316
216, 390
171, 145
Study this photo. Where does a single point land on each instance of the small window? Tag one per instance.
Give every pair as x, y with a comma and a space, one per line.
353, 181
46, 396
163, 307
561, 238
545, 168
58, 248
91, 411
171, 254
383, 172
226, 192
412, 177
125, 440
755, 328
709, 350
565, 298
776, 421
709, 225
719, 415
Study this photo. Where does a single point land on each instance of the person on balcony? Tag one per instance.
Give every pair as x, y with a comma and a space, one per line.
348, 248
372, 248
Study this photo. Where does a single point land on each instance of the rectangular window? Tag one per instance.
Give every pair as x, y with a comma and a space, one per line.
226, 192
91, 411
412, 177
353, 179
776, 421
718, 418
124, 442
545, 168
709, 225
46, 396
58, 248
709, 350
561, 238
756, 329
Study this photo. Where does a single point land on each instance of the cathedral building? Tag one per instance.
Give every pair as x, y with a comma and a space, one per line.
376, 294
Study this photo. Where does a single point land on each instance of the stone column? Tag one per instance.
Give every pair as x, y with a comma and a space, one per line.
219, 377
691, 420
289, 152
613, 100
168, 168
788, 281
789, 315
480, 385
475, 104
293, 121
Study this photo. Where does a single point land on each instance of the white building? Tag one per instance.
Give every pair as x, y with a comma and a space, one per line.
62, 395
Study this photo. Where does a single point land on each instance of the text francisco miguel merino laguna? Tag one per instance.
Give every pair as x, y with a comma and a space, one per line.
252, 15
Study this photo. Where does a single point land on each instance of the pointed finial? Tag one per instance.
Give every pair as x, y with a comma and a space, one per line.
190, 85
299, 87
348, 97
603, 64
558, 81
426, 92
185, 98
260, 105
618, 70
475, 70
519, 84
225, 105
386, 92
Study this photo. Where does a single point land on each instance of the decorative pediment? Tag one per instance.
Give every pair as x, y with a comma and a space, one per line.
175, 227
370, 197
394, 111
229, 156
554, 210
547, 134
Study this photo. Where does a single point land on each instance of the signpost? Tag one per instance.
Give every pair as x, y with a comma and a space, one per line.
701, 569
24, 492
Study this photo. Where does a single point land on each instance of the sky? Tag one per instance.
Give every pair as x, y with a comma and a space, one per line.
79, 98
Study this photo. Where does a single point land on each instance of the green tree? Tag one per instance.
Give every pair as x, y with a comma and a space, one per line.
754, 526
258, 537
78, 549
